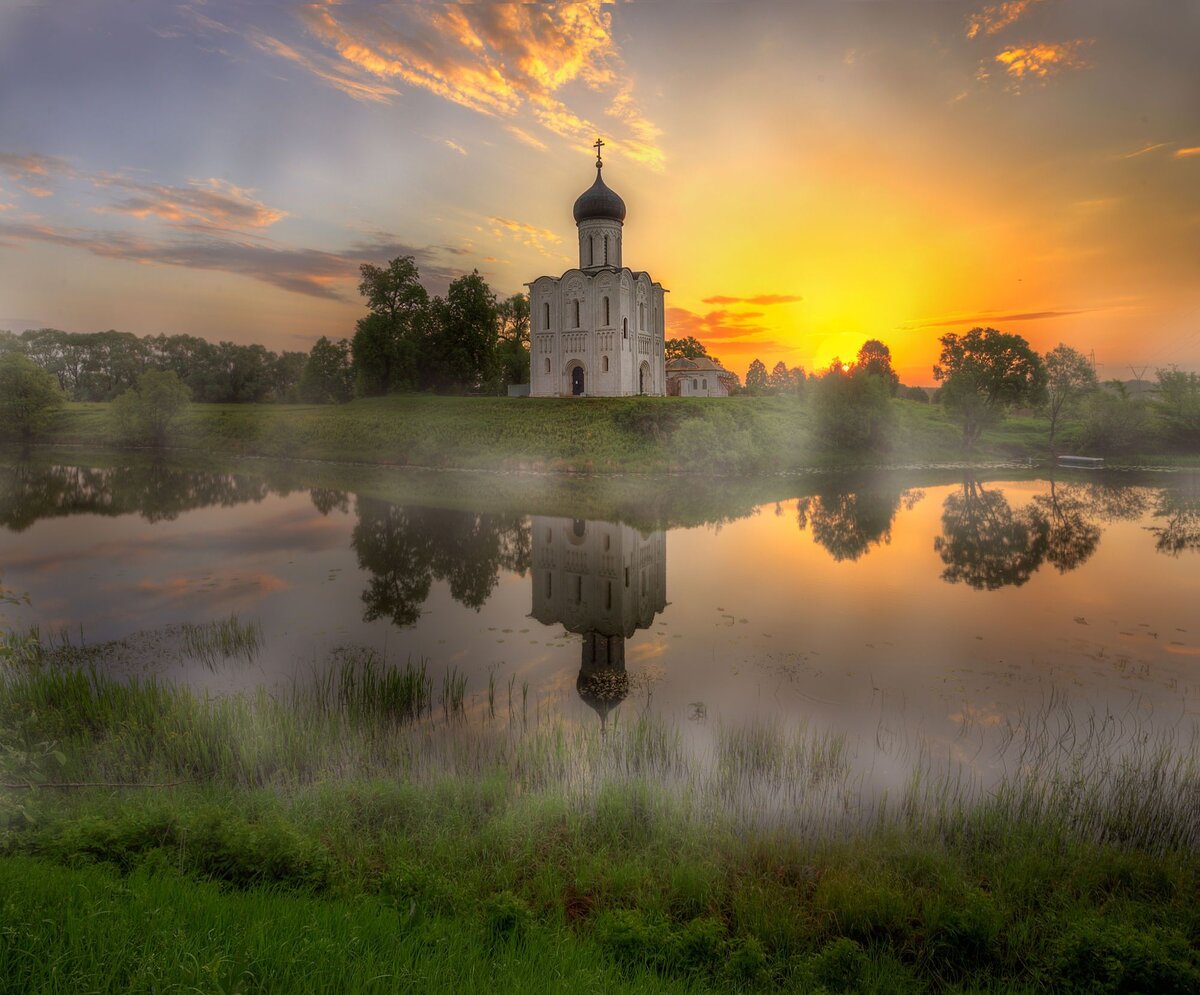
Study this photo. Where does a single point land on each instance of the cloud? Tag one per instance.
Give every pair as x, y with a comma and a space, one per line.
312, 272
719, 326
524, 136
1042, 60
211, 203
454, 146
327, 69
530, 235
994, 19
760, 299
1143, 150
30, 171
500, 60
989, 317
1187, 153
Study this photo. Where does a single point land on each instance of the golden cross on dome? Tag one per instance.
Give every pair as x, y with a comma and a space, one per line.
598, 146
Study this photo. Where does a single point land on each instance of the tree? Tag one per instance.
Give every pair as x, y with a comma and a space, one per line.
983, 373
389, 342
512, 349
853, 409
1115, 421
1177, 405
462, 341
147, 411
876, 359
756, 377
328, 376
780, 379
29, 396
1069, 378
984, 543
687, 348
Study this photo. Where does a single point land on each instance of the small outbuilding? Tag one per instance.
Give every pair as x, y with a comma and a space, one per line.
700, 377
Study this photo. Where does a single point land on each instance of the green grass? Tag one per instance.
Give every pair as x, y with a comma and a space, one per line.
617, 435
364, 833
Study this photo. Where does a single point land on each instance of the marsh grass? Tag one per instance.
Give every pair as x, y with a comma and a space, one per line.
654, 855
216, 642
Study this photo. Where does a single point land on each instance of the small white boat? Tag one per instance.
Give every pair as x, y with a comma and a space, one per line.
1082, 462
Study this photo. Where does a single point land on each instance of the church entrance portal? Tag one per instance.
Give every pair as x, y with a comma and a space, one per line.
643, 374
577, 381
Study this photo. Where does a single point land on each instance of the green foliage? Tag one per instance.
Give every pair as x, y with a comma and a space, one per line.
1117, 958
918, 394
852, 410
388, 342
715, 444
688, 347
461, 349
29, 397
148, 411
1177, 405
876, 359
985, 372
841, 966
757, 380
508, 917
1069, 379
328, 376
1115, 421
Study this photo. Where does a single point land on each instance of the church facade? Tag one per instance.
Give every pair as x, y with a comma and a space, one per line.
598, 330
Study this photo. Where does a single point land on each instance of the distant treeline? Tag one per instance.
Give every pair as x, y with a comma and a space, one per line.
100, 366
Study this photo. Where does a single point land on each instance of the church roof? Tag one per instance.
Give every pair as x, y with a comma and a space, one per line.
701, 364
599, 202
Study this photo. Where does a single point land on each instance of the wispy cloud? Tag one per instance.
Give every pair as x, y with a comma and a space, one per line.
530, 235
501, 60
989, 317
715, 327
453, 146
312, 272
759, 299
1145, 149
32, 171
1042, 60
210, 203
994, 19
1188, 152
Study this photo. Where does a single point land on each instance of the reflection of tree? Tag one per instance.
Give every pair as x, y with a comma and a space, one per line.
406, 548
1180, 507
1063, 515
326, 499
984, 543
152, 490
848, 523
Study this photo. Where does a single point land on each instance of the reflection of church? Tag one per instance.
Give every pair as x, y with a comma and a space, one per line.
603, 581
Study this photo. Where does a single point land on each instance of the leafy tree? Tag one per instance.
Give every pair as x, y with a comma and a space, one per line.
389, 342
512, 348
1114, 421
148, 410
780, 379
1177, 405
286, 370
984, 543
462, 342
876, 359
1069, 378
853, 409
918, 394
29, 396
983, 373
756, 377
686, 348
848, 523
328, 376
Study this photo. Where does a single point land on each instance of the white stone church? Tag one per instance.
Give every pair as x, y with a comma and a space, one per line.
597, 331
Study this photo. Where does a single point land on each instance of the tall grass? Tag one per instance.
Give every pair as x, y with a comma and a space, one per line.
221, 640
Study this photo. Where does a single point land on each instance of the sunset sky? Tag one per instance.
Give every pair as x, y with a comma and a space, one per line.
800, 176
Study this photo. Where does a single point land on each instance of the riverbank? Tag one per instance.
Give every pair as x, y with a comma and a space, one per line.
619, 435
375, 832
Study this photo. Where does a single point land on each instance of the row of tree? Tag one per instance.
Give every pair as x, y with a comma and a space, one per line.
99, 366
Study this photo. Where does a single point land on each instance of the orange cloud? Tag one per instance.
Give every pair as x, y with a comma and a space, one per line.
501, 60
453, 146
760, 299
1187, 153
994, 19
211, 203
326, 69
526, 234
1042, 60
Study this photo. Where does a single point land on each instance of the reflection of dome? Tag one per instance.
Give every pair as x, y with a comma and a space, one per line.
602, 690
598, 202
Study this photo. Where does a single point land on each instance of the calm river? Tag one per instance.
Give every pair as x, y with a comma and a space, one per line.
939, 606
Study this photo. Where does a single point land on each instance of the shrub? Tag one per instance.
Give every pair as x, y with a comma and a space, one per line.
841, 966
853, 410
147, 411
961, 933
1178, 406
1100, 957
508, 917
716, 442
1115, 421
29, 396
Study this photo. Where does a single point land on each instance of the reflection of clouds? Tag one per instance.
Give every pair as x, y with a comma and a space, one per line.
208, 587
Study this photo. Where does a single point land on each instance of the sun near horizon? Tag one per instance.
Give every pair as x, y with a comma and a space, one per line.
801, 177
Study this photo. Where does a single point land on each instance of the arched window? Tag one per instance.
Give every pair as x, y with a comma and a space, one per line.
576, 314
706, 383
605, 364
695, 385
624, 328
547, 364
605, 250
591, 251
546, 315
605, 310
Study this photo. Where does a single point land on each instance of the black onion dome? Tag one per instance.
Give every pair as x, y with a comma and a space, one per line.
599, 202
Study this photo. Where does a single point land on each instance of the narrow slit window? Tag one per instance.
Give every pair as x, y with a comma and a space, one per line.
546, 315
577, 314
605, 250
547, 364
605, 310
605, 364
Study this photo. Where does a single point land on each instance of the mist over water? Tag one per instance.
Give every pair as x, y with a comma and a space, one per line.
923, 618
